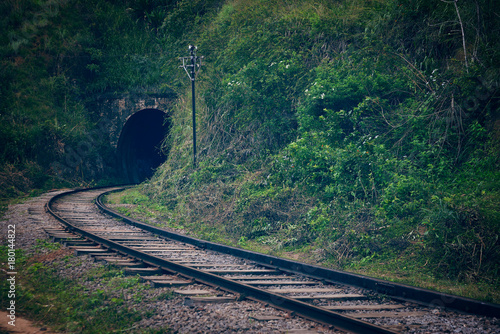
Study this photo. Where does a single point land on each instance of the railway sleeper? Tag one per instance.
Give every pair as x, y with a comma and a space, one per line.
158, 277
35, 211
301, 331
371, 315
304, 290
79, 243
160, 247
130, 238
61, 235
99, 253
94, 247
91, 251
266, 317
266, 282
114, 257
364, 307
338, 297
49, 230
198, 292
170, 283
126, 263
143, 271
243, 272
194, 301
62, 239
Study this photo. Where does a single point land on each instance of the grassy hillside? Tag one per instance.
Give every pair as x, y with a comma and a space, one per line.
361, 134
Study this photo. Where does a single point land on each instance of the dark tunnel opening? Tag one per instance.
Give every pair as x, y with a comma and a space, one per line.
139, 147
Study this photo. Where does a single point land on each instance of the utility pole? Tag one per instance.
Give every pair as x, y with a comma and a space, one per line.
194, 62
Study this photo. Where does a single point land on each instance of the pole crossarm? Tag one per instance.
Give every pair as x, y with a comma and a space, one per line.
186, 64
194, 62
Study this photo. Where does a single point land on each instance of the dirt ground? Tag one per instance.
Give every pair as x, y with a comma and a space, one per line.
22, 326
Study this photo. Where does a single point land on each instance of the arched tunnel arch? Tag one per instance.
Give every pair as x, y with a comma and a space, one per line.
139, 146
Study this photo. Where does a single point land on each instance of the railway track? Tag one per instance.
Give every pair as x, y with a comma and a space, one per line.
348, 302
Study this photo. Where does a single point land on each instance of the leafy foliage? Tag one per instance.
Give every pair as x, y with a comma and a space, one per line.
55, 57
370, 112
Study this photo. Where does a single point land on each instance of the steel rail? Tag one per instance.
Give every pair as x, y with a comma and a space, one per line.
302, 309
395, 290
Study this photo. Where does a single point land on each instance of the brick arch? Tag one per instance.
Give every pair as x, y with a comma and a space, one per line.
115, 116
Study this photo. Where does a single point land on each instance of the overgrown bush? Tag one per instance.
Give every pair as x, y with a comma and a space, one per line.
366, 122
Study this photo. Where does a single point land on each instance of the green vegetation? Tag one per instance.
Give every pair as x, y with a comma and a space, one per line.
56, 58
68, 304
364, 132
356, 134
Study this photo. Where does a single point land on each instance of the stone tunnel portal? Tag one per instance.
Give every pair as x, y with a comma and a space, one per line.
139, 146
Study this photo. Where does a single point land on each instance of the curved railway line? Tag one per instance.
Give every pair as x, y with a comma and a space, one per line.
346, 301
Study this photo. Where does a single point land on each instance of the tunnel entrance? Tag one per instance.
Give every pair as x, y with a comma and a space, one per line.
139, 146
